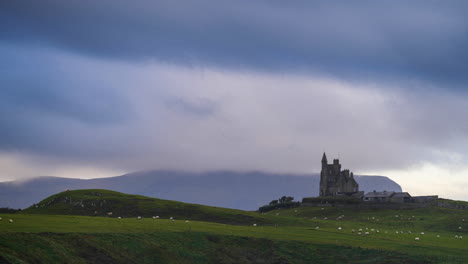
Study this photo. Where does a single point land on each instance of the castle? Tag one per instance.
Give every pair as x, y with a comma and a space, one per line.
337, 182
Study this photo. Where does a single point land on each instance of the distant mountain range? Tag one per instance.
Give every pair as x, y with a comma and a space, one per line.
239, 190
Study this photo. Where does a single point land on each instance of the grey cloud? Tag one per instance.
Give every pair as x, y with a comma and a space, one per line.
202, 107
367, 40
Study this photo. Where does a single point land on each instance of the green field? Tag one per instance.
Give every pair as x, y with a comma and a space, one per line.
281, 236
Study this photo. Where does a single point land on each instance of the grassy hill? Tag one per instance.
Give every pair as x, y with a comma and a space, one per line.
298, 235
96, 202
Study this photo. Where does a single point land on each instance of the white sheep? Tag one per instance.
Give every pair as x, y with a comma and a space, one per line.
339, 228
461, 237
366, 233
10, 220
254, 224
456, 236
171, 218
352, 231
139, 218
0, 219
359, 233
438, 235
109, 213
186, 221
416, 238
422, 233
119, 217
317, 227
459, 227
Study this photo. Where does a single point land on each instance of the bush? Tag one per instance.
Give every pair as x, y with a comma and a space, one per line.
7, 210
282, 203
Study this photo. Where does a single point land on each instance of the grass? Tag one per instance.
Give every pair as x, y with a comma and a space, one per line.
281, 236
95, 202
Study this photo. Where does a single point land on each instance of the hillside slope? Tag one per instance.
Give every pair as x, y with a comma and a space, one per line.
186, 247
95, 202
240, 190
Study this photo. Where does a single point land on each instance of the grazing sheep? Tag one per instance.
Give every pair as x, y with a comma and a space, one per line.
317, 227
339, 228
366, 233
139, 218
119, 217
0, 219
459, 227
378, 231
254, 224
10, 220
372, 230
416, 238
359, 233
186, 221
109, 213
360, 230
422, 233
352, 231
171, 218
461, 237
157, 217
456, 236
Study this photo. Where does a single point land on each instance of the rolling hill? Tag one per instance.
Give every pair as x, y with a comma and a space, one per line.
75, 227
240, 190
96, 202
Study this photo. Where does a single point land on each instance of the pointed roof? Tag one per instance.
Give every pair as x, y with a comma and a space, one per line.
324, 158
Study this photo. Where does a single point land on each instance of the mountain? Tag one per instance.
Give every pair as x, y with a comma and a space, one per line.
239, 190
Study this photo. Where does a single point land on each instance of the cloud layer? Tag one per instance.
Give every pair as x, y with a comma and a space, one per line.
93, 89
422, 40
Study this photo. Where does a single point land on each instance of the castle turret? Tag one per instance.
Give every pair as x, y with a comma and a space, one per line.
324, 159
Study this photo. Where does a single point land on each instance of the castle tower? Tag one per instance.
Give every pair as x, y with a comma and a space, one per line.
323, 176
334, 181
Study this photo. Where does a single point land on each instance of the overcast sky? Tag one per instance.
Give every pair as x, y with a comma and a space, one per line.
100, 88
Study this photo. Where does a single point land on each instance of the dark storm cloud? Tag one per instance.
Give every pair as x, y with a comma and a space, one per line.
424, 40
45, 97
